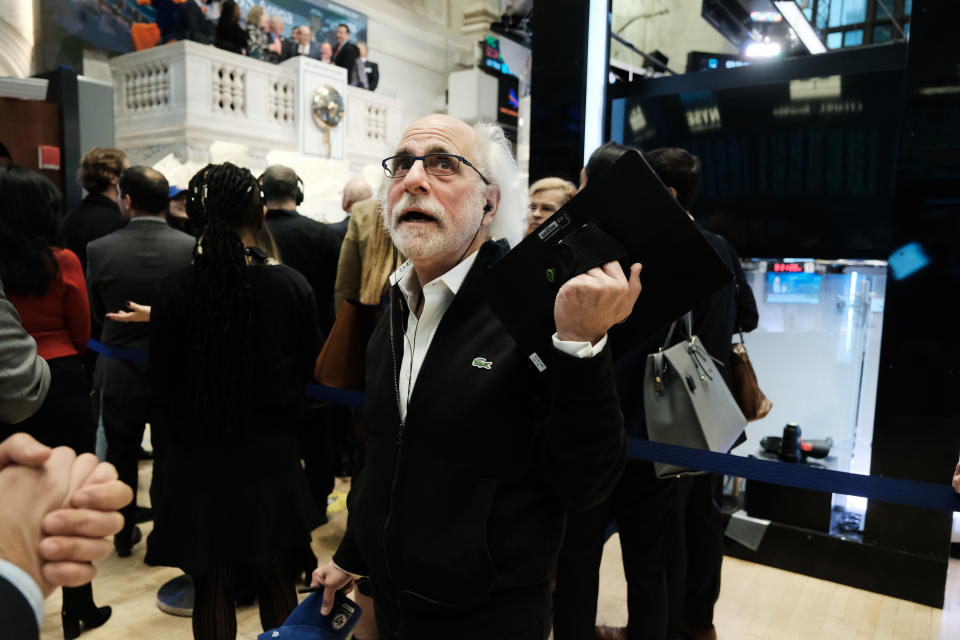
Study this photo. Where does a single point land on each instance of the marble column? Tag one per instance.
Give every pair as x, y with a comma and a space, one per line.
18, 37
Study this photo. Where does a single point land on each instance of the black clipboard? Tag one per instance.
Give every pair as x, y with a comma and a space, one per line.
624, 214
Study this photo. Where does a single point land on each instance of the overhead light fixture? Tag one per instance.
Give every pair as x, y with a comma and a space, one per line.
763, 50
598, 38
804, 30
765, 16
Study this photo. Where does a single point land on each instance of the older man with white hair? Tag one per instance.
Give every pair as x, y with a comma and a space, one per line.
473, 455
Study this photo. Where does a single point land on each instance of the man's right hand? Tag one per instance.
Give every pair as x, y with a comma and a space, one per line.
333, 579
71, 499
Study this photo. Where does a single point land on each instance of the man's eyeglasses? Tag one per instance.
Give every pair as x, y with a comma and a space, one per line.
436, 164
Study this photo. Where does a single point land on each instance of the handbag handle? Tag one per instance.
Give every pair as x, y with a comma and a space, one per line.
688, 322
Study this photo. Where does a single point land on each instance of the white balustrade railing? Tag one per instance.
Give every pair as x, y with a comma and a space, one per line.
374, 123
147, 87
182, 97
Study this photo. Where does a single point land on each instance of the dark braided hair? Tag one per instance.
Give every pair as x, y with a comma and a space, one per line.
224, 200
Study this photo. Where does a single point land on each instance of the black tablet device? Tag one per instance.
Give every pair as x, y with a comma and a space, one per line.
624, 214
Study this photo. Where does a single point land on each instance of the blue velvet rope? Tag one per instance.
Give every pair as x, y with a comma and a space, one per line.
908, 492
336, 396
118, 353
332, 395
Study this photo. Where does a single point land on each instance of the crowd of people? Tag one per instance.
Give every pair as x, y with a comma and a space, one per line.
483, 488
261, 36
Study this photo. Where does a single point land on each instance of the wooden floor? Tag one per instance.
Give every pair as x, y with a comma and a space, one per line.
756, 602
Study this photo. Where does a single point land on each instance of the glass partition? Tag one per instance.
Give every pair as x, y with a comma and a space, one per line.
816, 354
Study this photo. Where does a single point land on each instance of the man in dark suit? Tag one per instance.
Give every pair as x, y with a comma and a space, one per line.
695, 554
345, 54
280, 47
309, 246
125, 266
303, 44
367, 74
656, 517
313, 249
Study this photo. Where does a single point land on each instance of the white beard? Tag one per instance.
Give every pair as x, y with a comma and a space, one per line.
448, 233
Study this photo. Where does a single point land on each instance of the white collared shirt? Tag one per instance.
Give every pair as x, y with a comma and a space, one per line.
22, 581
437, 296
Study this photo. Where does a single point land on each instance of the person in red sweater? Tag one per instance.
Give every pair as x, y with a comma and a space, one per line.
46, 286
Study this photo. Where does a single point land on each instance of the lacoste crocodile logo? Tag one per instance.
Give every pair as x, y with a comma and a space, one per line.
481, 363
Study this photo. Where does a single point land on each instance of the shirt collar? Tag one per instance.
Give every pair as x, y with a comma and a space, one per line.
153, 218
406, 277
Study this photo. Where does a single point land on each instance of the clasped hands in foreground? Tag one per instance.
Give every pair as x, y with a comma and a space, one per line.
586, 307
56, 510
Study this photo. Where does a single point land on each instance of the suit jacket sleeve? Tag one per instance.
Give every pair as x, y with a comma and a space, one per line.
349, 267
358, 74
97, 309
348, 57
374, 79
26, 376
288, 49
582, 444
76, 304
18, 615
747, 316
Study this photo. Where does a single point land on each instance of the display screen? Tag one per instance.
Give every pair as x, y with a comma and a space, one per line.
508, 103
789, 167
492, 60
701, 61
795, 288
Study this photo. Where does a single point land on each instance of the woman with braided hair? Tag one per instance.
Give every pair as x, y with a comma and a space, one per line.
233, 339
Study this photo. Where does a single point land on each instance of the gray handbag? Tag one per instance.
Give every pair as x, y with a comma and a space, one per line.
687, 402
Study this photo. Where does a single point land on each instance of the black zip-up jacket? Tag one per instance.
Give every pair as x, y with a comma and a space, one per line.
471, 498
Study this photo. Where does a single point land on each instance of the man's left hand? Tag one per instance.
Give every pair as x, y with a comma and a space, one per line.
592, 302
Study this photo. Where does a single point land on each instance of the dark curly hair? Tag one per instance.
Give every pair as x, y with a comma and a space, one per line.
99, 167
29, 226
223, 201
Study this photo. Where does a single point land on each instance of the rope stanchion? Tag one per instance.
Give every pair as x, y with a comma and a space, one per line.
908, 492
118, 353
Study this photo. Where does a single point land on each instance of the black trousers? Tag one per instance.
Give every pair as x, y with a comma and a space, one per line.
125, 414
323, 427
644, 509
698, 555
509, 614
65, 419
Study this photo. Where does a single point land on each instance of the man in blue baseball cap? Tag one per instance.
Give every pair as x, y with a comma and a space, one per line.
177, 212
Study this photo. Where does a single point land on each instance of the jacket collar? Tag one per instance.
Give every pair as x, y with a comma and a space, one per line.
276, 213
102, 200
